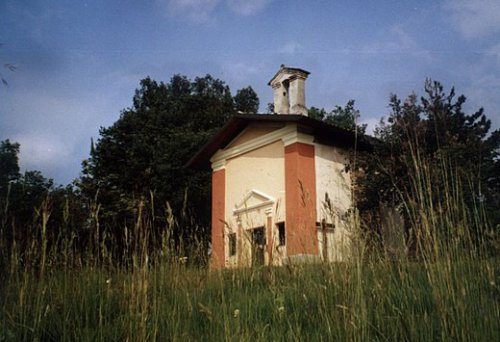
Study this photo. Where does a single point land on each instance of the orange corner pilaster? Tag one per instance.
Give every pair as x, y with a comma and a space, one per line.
300, 190
218, 205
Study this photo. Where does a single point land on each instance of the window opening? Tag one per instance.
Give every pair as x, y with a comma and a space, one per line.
232, 244
281, 233
258, 242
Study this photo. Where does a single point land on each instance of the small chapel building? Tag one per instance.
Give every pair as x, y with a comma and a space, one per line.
280, 189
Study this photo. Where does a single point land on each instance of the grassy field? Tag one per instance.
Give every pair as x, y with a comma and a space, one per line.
358, 301
450, 291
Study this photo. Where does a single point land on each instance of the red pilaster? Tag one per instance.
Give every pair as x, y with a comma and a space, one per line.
218, 205
300, 190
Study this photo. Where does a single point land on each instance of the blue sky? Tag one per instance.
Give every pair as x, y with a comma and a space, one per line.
79, 62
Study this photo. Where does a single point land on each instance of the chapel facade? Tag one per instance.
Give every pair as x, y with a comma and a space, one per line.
280, 189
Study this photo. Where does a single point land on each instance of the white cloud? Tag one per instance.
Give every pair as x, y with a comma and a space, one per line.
474, 18
239, 72
371, 124
202, 11
290, 48
53, 121
483, 92
38, 14
247, 7
399, 42
495, 52
42, 151
198, 11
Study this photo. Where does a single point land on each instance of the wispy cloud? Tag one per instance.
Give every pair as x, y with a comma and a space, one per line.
53, 130
38, 14
495, 52
54, 127
398, 42
203, 11
239, 72
198, 11
371, 124
247, 7
42, 151
290, 48
483, 92
474, 18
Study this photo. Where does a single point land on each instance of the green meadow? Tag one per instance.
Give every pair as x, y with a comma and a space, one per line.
452, 296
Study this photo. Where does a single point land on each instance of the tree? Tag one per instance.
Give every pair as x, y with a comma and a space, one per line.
24, 200
21, 197
430, 143
138, 161
246, 101
9, 164
317, 113
270, 108
344, 117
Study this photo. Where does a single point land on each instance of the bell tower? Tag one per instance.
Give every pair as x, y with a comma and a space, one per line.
289, 91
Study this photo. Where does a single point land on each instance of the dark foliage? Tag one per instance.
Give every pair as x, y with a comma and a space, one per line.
432, 133
138, 161
24, 199
344, 117
246, 101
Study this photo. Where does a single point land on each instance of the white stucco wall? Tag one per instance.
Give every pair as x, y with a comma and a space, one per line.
261, 170
332, 182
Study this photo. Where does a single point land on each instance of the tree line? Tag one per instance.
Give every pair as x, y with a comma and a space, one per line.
134, 183
134, 172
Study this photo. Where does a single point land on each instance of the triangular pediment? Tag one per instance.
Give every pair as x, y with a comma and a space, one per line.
253, 132
254, 199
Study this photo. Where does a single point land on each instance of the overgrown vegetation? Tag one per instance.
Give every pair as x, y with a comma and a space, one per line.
451, 293
66, 275
141, 156
428, 151
426, 144
136, 163
446, 300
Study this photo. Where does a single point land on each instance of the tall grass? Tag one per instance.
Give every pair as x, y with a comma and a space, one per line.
370, 301
450, 292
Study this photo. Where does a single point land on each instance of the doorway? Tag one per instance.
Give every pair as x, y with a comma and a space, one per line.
258, 246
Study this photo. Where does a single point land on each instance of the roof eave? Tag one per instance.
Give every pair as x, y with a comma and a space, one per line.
238, 122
